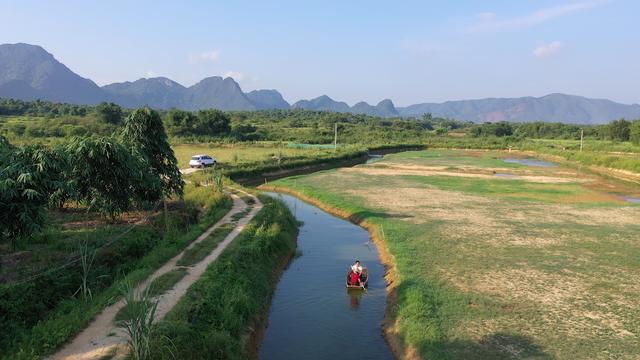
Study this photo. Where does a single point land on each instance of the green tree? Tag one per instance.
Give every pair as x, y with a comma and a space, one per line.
619, 130
144, 133
180, 123
106, 175
109, 113
502, 128
634, 132
212, 122
28, 176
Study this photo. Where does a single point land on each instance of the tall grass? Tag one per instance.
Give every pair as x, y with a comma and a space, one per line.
87, 256
138, 324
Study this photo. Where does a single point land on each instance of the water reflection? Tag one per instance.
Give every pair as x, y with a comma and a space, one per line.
354, 297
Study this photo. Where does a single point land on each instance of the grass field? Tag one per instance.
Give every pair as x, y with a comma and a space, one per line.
496, 259
241, 153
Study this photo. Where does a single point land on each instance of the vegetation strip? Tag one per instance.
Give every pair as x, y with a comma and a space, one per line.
98, 337
222, 312
72, 315
200, 250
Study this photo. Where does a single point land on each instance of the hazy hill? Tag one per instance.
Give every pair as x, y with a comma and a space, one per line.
29, 72
324, 103
267, 99
384, 108
216, 92
553, 107
160, 92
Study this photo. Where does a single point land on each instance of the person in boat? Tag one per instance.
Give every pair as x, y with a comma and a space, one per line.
354, 278
357, 268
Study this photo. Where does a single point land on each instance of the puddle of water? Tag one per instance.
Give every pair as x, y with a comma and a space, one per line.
530, 162
373, 158
631, 199
312, 315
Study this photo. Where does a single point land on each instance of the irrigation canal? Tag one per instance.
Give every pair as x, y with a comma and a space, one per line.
312, 315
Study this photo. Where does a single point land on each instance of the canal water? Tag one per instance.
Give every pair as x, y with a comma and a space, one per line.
312, 315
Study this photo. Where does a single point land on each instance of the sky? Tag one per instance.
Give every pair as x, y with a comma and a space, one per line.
351, 50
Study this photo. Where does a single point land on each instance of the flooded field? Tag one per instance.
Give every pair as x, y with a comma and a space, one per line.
530, 162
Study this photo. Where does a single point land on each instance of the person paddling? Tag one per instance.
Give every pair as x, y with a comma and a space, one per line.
354, 278
357, 268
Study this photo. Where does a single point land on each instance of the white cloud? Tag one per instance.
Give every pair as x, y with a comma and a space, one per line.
486, 16
547, 50
489, 21
234, 74
150, 74
207, 56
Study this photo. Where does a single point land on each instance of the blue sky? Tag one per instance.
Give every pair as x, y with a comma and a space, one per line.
408, 51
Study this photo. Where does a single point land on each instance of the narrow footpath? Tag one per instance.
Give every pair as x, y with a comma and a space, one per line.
102, 338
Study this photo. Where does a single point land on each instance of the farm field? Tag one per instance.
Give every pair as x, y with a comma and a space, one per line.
497, 259
242, 153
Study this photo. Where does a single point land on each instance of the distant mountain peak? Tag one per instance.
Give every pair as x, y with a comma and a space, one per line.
556, 107
29, 72
34, 73
267, 99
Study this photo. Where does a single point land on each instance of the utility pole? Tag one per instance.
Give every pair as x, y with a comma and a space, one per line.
581, 138
335, 137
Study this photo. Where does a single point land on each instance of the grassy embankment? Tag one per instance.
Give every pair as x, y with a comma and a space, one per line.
40, 314
222, 313
268, 160
542, 264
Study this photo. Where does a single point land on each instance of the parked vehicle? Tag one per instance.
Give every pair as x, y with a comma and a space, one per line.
201, 161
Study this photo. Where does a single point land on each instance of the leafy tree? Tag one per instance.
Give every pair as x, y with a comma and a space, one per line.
619, 130
180, 123
109, 113
28, 176
634, 132
502, 128
107, 177
212, 122
144, 134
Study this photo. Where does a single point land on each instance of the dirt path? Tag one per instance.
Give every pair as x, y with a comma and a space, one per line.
188, 171
103, 338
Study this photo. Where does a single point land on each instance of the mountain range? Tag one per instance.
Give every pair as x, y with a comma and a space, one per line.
29, 72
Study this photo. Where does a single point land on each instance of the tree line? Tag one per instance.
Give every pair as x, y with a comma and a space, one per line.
306, 126
108, 174
617, 130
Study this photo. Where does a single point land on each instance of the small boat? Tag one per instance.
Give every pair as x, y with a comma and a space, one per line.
364, 280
